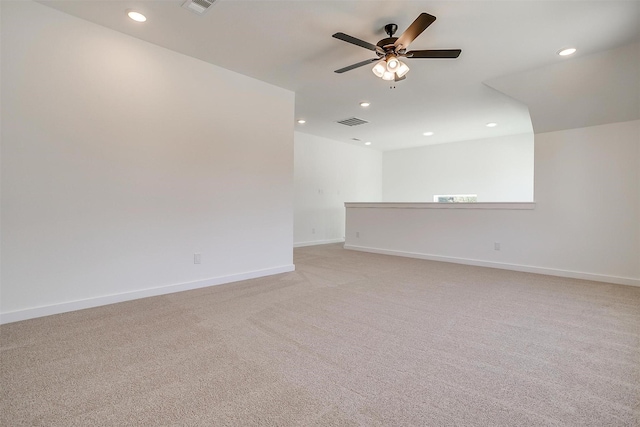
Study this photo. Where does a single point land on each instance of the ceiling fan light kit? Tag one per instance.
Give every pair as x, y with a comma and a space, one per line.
389, 50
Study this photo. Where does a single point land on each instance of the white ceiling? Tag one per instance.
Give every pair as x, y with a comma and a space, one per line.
289, 44
590, 90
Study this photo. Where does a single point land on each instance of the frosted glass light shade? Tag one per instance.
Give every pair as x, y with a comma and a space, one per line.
388, 75
392, 63
379, 68
402, 69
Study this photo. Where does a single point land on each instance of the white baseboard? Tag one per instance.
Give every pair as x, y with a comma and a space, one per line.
504, 266
317, 242
31, 313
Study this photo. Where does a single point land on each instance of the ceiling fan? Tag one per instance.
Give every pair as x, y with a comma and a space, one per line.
391, 49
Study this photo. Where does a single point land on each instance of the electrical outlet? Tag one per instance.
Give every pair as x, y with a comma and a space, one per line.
197, 258
496, 246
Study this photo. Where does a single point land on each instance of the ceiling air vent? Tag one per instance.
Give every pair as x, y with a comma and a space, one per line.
353, 121
198, 7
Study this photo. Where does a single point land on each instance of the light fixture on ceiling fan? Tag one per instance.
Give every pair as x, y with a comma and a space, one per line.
390, 67
390, 50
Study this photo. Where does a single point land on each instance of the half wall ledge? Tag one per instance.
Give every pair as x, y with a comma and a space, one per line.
434, 205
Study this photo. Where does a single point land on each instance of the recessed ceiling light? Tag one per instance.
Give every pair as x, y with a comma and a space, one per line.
492, 125
302, 121
365, 104
428, 133
567, 52
367, 143
136, 16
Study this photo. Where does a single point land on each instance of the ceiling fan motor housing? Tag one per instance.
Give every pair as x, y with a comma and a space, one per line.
387, 44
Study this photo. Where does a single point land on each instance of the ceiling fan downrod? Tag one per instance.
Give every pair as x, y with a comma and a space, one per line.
390, 29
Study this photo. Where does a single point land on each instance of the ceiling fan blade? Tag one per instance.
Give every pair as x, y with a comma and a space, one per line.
359, 64
397, 79
349, 39
436, 53
419, 25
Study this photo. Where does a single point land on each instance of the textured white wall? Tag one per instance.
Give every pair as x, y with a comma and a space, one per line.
496, 169
121, 159
327, 174
586, 222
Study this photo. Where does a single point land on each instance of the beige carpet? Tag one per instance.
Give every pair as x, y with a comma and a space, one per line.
348, 339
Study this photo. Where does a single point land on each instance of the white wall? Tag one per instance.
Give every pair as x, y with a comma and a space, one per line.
327, 174
121, 159
586, 221
496, 169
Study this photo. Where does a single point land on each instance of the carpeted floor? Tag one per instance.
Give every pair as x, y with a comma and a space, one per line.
348, 339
